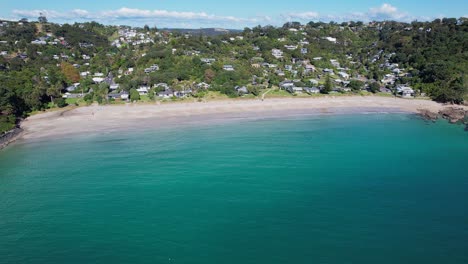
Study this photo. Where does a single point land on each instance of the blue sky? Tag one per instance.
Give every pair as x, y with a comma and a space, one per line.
229, 14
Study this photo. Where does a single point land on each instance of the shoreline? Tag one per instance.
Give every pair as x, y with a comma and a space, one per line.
101, 119
10, 137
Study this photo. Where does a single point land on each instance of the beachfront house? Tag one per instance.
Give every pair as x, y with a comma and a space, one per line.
119, 96
143, 90
286, 85
166, 94
295, 90
241, 90
311, 90
405, 91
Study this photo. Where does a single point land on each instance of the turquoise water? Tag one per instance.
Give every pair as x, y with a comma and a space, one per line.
329, 189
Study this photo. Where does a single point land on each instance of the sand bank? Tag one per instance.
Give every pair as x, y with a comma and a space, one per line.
96, 119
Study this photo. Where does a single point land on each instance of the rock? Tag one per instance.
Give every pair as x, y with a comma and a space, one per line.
428, 115
453, 114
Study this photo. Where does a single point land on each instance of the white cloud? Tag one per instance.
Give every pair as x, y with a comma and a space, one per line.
165, 18
384, 9
383, 12
386, 12
302, 16
127, 15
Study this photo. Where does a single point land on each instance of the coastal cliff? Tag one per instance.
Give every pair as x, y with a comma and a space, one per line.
9, 137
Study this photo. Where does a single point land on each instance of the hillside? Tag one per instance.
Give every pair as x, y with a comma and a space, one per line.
49, 65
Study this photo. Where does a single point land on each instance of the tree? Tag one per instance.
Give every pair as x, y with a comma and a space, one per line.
42, 18
54, 91
355, 85
374, 87
209, 75
134, 95
327, 88
71, 73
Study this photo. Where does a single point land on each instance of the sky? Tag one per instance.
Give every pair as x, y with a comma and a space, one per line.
233, 14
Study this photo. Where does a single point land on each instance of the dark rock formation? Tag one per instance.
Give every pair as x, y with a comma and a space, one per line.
9, 137
453, 114
428, 115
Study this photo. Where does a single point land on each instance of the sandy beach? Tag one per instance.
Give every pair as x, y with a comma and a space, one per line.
97, 119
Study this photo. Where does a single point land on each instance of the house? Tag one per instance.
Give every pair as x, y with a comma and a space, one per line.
310, 68
405, 91
70, 95
343, 75
290, 47
241, 89
129, 71
331, 39
114, 86
166, 94
312, 90
277, 53
98, 80
385, 90
152, 68
165, 86
345, 89
286, 85
72, 87
143, 90
208, 60
335, 63
313, 81
203, 85
121, 96
295, 89
183, 93
228, 67
330, 71
38, 42
304, 50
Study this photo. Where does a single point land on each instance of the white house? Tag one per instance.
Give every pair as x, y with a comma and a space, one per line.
143, 90
277, 53
228, 68
331, 39
343, 75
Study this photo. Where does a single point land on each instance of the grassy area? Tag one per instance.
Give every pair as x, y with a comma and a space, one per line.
6, 123
278, 93
5, 126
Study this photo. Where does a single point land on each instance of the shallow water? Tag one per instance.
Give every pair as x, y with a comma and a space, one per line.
326, 189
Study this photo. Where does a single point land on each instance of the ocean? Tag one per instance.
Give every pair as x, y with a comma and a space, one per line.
375, 188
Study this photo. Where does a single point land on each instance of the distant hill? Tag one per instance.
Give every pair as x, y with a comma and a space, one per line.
204, 31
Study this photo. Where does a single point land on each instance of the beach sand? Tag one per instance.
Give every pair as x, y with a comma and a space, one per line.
100, 119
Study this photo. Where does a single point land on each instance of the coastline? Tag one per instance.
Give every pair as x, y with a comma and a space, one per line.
102, 119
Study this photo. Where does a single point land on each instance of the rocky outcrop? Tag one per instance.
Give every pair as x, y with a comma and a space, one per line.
428, 115
9, 137
452, 114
